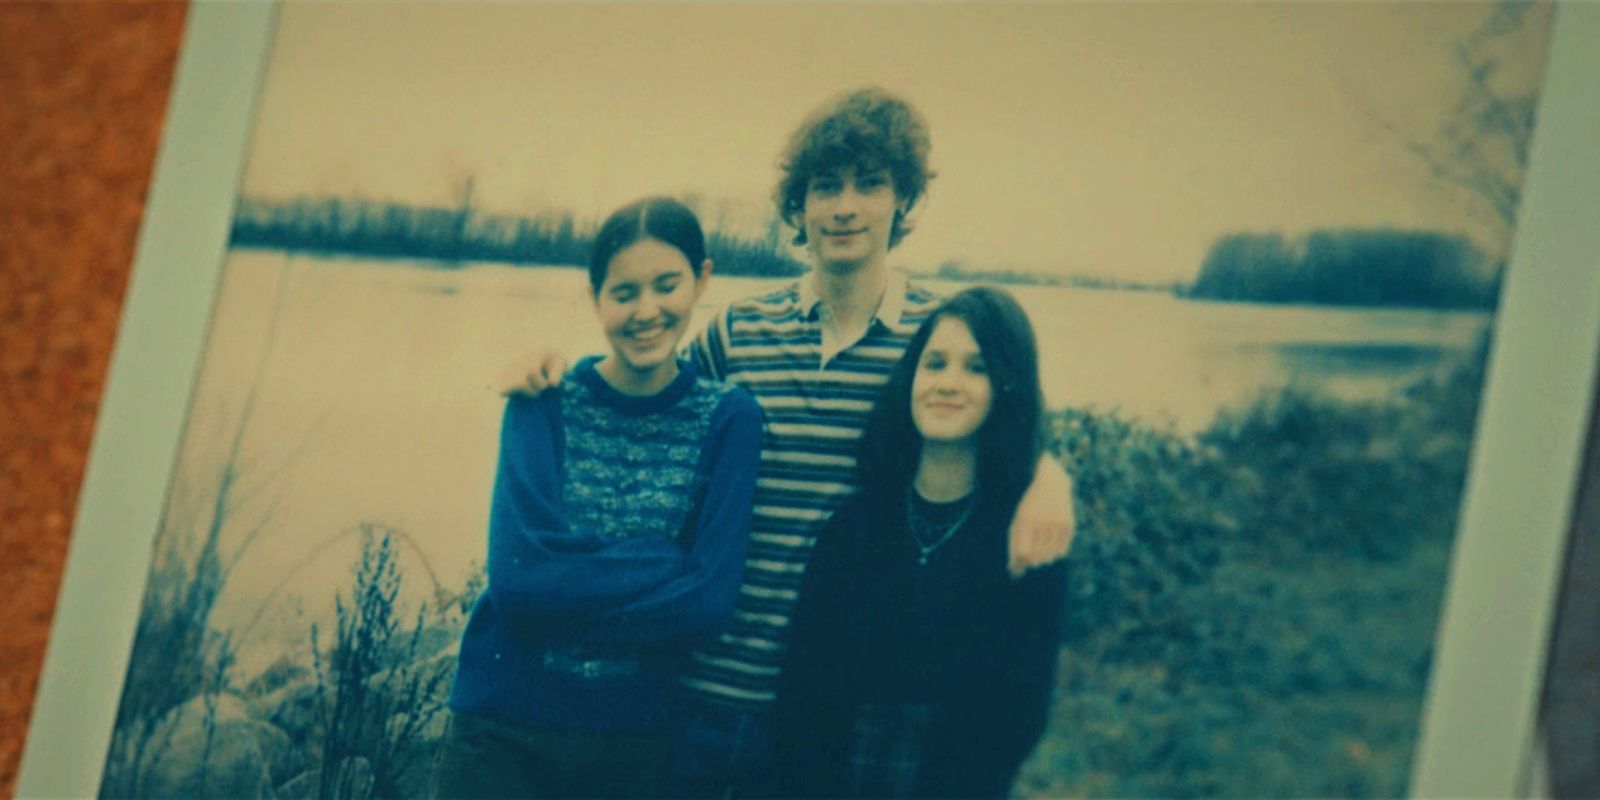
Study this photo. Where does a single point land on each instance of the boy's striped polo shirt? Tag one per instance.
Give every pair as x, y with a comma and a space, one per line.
816, 404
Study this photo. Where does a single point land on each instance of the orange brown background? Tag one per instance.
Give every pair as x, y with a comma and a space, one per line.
83, 89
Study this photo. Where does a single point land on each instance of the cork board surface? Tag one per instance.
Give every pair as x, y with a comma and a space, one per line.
84, 88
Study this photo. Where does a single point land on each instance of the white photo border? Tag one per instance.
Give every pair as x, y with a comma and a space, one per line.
167, 312
1482, 701
1489, 657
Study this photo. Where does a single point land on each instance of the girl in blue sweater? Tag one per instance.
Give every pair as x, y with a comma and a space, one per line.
617, 536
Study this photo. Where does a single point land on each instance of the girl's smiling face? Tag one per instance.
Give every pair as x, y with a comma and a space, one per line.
950, 392
644, 305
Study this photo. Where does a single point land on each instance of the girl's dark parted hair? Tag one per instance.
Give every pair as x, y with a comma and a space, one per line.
865, 130
1010, 439
660, 218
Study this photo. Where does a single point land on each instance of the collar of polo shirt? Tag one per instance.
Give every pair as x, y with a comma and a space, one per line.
889, 308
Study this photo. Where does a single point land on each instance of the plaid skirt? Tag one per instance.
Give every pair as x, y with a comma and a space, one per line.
886, 749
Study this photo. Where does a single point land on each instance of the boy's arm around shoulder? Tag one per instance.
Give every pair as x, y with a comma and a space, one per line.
709, 348
536, 373
1042, 530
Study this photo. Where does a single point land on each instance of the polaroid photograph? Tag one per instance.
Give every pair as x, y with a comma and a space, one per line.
525, 352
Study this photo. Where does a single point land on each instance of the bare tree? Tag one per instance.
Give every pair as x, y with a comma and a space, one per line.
1481, 144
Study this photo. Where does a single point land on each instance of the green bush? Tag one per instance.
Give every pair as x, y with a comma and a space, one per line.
1250, 612
1153, 515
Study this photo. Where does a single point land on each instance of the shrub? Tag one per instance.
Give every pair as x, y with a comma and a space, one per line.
1251, 612
1153, 513
376, 701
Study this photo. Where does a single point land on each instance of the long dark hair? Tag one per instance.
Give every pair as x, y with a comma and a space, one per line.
1010, 438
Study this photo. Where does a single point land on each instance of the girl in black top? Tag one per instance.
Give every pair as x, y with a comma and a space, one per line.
917, 666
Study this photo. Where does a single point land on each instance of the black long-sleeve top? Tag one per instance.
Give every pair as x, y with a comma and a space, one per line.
875, 626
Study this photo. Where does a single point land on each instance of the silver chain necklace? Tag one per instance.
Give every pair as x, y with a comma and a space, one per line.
922, 531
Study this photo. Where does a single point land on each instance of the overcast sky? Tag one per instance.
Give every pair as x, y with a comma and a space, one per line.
1111, 140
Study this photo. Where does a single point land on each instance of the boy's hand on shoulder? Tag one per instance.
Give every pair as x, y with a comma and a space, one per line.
531, 376
1042, 530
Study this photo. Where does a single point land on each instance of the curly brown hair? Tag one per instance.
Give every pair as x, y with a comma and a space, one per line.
865, 130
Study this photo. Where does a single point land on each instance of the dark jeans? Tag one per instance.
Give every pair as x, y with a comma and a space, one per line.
484, 757
723, 752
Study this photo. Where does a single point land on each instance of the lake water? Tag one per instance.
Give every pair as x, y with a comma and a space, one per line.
376, 398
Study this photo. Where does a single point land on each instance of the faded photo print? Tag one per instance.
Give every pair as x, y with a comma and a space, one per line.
835, 399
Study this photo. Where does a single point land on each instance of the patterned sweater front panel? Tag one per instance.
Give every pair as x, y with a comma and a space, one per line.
630, 475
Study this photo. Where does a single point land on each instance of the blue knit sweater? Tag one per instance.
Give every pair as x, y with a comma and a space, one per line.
617, 537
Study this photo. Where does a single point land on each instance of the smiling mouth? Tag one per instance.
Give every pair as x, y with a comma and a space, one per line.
649, 335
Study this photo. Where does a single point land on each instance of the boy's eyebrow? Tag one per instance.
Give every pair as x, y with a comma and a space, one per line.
856, 170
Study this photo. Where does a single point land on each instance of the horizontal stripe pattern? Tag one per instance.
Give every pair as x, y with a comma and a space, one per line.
772, 347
